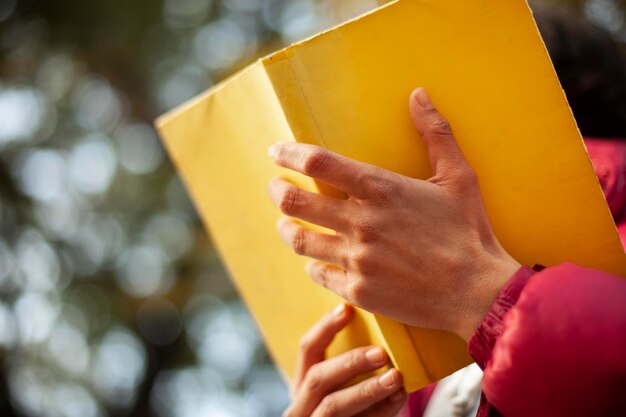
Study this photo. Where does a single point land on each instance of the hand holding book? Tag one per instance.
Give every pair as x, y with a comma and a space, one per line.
345, 90
420, 252
319, 386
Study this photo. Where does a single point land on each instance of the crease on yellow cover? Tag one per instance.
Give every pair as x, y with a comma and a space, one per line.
487, 70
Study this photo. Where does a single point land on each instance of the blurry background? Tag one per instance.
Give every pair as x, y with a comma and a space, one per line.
112, 299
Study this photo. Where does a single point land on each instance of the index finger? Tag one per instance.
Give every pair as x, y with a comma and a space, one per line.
314, 343
336, 170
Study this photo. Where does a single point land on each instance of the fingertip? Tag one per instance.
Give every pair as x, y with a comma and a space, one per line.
414, 94
308, 267
283, 222
398, 376
421, 98
376, 355
415, 109
273, 183
274, 150
339, 311
348, 308
278, 180
390, 379
342, 312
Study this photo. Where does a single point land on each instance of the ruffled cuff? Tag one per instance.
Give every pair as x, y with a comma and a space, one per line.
482, 342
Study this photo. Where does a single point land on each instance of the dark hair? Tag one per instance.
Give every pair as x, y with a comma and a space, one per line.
592, 71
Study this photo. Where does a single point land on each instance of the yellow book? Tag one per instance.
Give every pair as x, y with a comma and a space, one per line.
487, 70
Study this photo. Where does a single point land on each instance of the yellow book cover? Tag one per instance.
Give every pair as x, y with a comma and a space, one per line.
486, 68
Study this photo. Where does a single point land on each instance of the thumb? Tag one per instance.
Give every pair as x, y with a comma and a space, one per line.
446, 158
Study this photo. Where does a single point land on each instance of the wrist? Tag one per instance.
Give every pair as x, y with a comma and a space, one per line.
490, 279
482, 342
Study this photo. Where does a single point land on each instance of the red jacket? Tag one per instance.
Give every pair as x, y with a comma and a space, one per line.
554, 341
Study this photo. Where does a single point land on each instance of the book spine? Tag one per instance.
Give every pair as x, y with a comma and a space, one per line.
292, 98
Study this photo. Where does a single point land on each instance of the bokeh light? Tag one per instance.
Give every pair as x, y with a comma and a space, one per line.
43, 174
118, 367
139, 148
22, 111
96, 104
606, 13
144, 271
91, 164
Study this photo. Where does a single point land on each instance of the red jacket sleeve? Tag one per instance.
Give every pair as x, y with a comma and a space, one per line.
554, 344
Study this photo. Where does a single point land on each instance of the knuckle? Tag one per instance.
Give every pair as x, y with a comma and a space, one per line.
440, 127
306, 342
354, 360
313, 379
366, 231
379, 188
364, 262
314, 161
366, 268
328, 407
321, 274
356, 291
367, 391
465, 177
344, 260
299, 241
468, 176
289, 200
288, 413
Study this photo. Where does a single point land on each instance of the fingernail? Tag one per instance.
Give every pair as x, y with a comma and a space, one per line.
375, 355
281, 223
271, 151
308, 268
388, 379
397, 396
339, 310
422, 99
